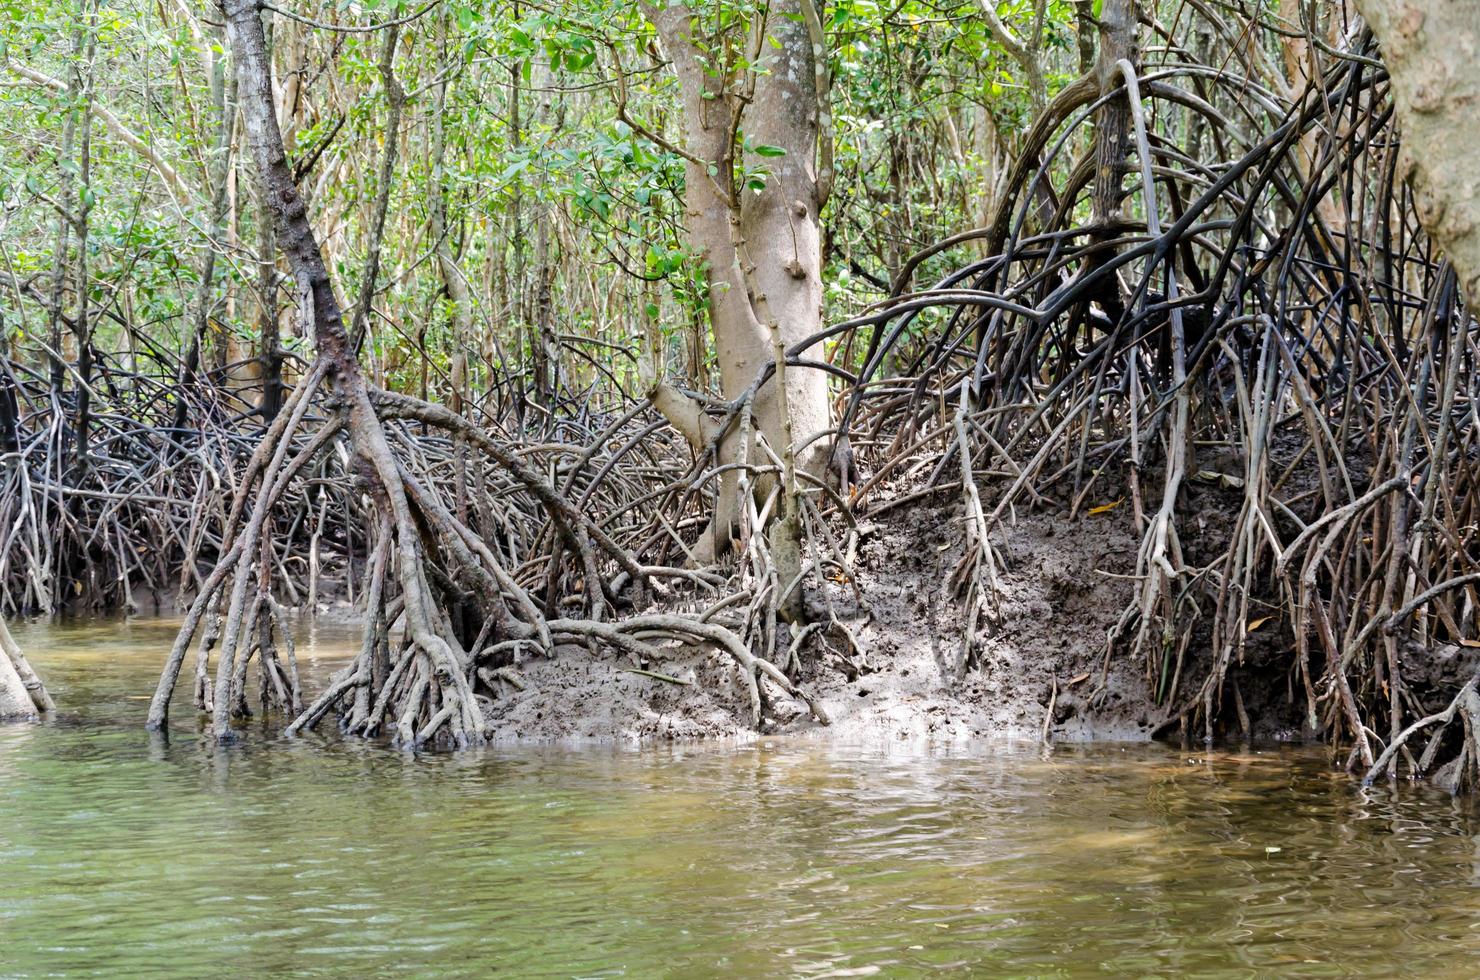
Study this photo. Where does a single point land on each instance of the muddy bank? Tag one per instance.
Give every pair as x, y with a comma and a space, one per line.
1038, 659
1037, 664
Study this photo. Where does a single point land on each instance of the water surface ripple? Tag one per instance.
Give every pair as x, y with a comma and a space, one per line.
126, 855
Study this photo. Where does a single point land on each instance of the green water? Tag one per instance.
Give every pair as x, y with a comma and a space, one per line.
126, 856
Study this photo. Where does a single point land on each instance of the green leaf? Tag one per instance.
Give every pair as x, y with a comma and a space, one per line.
763, 150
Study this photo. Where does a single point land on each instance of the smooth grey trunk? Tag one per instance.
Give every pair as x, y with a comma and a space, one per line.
1432, 51
761, 250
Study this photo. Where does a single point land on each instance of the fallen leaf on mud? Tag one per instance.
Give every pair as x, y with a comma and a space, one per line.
1213, 476
1106, 508
1255, 624
1469, 643
1078, 680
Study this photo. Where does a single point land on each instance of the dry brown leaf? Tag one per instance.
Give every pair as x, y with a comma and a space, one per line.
1255, 624
1106, 508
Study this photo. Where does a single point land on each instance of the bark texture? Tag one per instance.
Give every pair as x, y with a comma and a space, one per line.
1432, 50
323, 320
762, 249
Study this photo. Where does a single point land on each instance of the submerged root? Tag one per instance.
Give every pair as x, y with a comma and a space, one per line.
22, 695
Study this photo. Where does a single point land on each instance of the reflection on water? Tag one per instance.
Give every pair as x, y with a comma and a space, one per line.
126, 856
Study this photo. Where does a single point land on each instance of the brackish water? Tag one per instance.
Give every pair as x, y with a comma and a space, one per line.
123, 855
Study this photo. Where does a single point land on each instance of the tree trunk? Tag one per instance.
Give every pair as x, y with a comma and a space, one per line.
447, 266
781, 234
22, 695
395, 99
761, 249
1113, 120
223, 99
323, 320
1432, 50
544, 345
82, 323
269, 352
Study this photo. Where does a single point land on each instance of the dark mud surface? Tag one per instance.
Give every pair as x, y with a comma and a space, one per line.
1064, 586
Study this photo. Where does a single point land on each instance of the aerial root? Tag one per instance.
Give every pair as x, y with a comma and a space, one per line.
630, 635
424, 706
